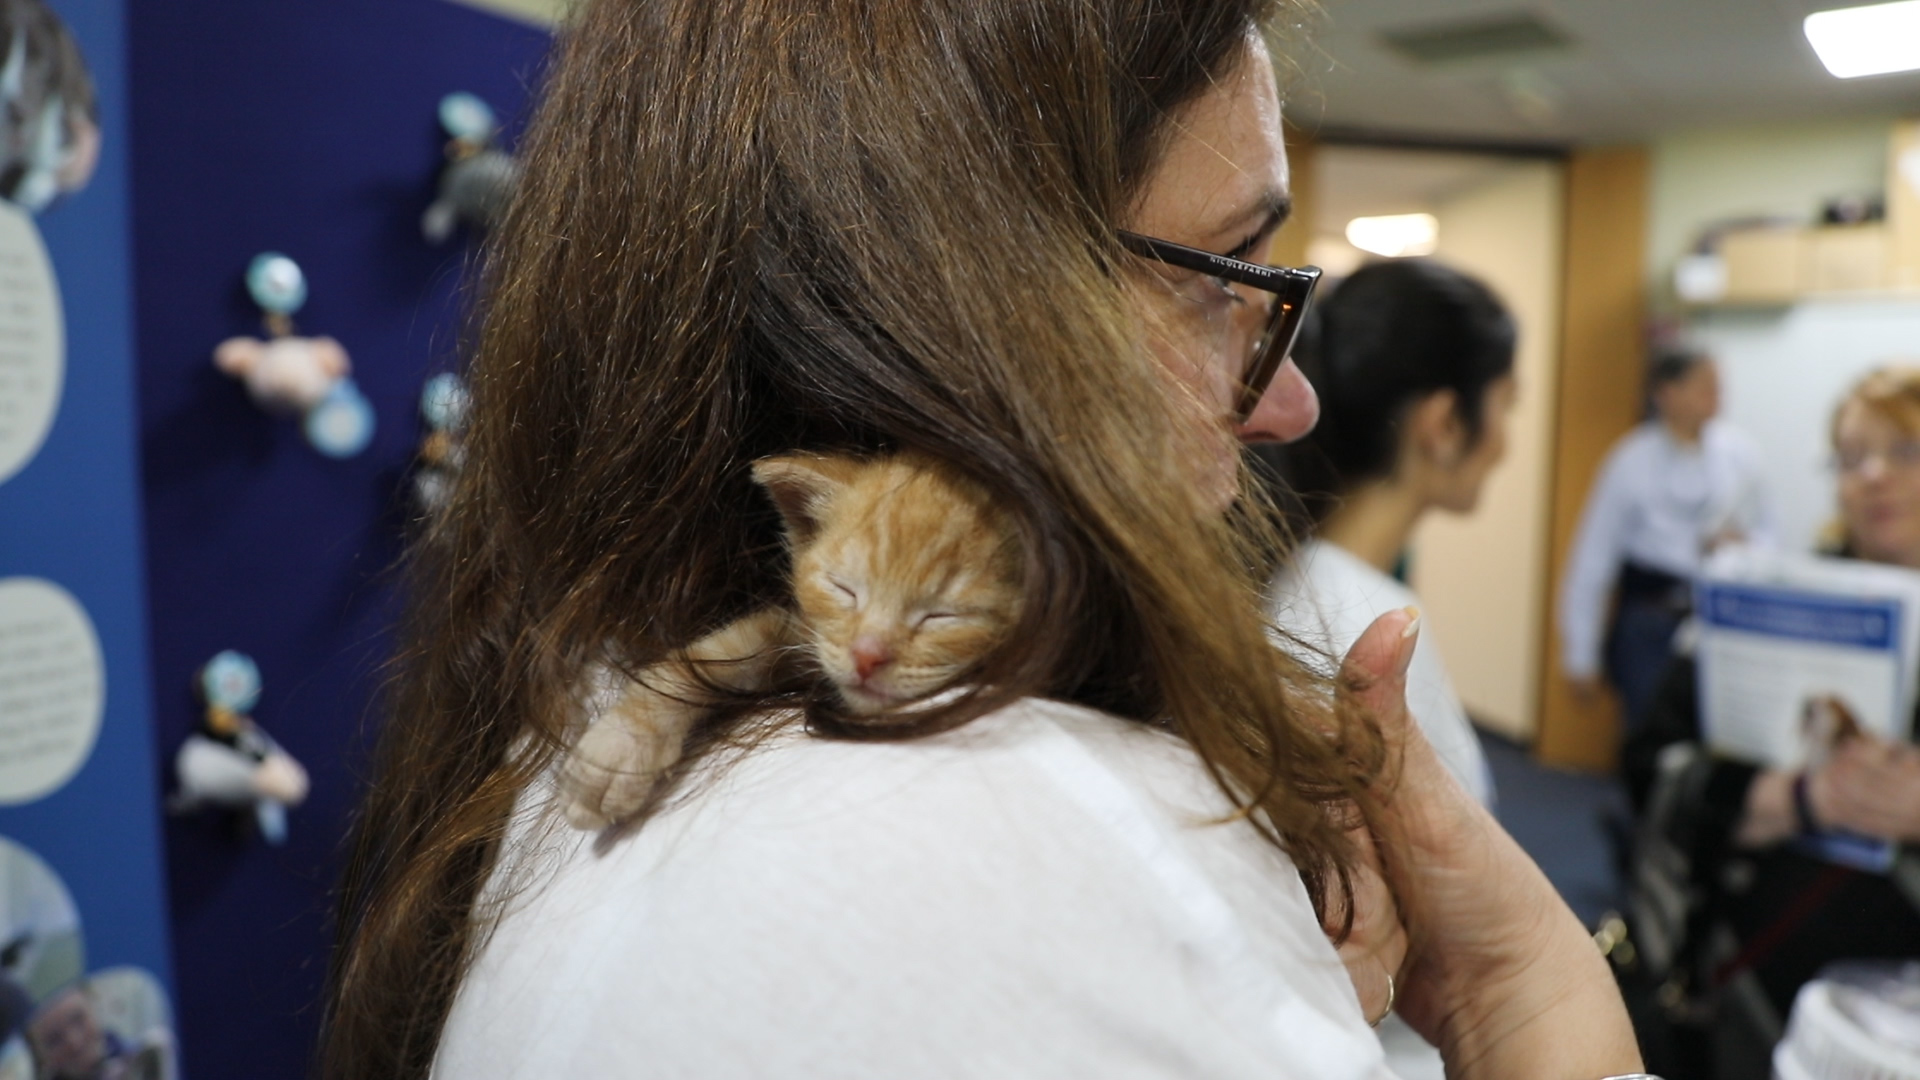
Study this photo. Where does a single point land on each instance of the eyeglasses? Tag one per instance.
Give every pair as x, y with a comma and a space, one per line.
1292, 289
1902, 456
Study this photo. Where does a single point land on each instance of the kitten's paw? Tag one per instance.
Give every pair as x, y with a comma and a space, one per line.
612, 770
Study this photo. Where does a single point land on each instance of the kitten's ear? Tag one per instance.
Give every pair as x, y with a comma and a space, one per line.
802, 487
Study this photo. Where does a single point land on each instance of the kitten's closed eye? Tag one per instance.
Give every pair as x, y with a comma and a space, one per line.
943, 619
846, 592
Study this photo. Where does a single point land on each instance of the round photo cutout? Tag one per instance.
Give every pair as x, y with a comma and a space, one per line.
53, 688
41, 947
50, 129
33, 347
114, 1023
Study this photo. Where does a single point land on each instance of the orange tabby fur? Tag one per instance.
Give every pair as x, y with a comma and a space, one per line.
904, 576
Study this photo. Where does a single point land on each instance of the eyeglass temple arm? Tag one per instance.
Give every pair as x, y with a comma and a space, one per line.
1273, 278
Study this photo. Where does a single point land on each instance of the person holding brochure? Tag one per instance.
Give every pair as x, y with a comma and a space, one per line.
1670, 492
1798, 912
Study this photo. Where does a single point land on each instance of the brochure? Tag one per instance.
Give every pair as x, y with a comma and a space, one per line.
1796, 655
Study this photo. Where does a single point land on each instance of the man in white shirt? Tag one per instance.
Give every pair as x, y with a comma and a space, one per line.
1671, 490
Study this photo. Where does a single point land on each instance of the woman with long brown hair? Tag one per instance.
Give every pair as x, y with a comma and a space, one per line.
755, 226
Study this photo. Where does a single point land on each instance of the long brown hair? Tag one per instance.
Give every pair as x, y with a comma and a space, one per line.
752, 226
1892, 391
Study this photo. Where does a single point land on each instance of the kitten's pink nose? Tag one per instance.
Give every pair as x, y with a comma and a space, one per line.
870, 654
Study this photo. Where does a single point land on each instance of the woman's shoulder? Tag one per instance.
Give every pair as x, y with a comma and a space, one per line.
1034, 779
1043, 873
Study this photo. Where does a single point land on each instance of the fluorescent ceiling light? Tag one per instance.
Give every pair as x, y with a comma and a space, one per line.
1395, 235
1874, 40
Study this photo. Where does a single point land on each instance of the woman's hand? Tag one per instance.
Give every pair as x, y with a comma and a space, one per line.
1769, 815
1869, 786
1376, 949
1500, 974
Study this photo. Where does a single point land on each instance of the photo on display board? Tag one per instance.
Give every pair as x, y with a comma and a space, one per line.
51, 140
113, 1025
49, 148
55, 1022
41, 949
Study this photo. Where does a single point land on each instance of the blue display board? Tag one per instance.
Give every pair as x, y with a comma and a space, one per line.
82, 901
310, 128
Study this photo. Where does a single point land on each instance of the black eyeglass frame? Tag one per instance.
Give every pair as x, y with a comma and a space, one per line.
1292, 287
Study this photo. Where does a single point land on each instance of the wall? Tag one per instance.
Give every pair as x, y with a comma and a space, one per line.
1602, 317
1481, 578
1782, 373
1783, 368
1700, 177
306, 126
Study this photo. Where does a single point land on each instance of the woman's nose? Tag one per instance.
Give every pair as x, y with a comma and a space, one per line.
1287, 411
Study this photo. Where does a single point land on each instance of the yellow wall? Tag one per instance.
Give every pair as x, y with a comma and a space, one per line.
1482, 578
1603, 313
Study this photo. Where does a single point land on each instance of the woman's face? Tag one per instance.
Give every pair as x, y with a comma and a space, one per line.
1222, 186
1879, 475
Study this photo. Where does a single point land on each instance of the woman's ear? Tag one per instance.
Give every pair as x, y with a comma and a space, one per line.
1433, 429
802, 487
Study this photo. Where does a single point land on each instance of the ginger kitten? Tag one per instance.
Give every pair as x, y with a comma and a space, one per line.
904, 576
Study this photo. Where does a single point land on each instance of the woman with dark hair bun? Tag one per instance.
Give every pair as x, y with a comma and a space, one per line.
1413, 363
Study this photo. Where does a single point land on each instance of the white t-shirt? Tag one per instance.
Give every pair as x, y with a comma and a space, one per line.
1038, 894
1328, 597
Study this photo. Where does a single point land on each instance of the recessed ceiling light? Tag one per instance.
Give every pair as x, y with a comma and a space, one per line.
1478, 38
1395, 235
1874, 40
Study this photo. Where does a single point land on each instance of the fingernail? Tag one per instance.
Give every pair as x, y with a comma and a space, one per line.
1410, 636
